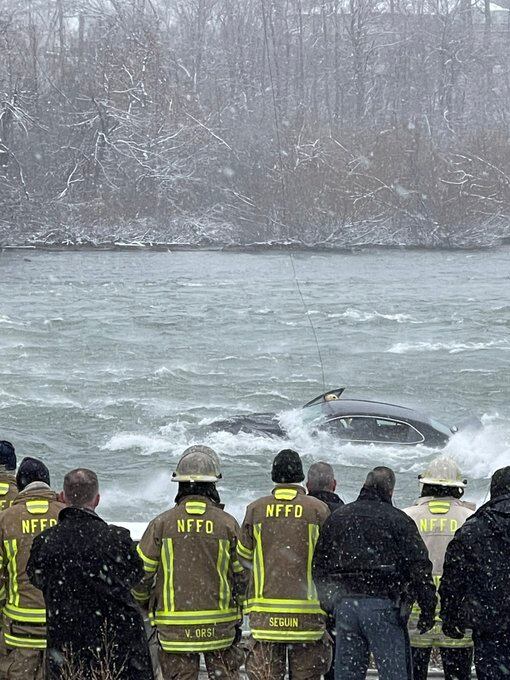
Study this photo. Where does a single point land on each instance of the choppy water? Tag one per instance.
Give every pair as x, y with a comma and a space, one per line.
117, 361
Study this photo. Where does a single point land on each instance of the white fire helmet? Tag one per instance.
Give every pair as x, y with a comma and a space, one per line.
443, 471
198, 464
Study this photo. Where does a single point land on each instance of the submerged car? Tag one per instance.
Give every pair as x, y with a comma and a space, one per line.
356, 420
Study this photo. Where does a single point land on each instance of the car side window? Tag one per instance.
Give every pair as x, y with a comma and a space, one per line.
355, 428
373, 429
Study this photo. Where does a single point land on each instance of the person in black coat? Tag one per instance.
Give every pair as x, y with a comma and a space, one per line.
369, 566
475, 587
85, 569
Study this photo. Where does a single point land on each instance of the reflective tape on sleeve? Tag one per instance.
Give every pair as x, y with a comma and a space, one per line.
243, 552
25, 614
149, 565
24, 642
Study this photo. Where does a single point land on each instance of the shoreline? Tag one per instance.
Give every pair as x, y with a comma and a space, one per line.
246, 248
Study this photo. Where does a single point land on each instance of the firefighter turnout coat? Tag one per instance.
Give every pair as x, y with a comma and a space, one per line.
278, 538
8, 489
192, 576
35, 509
437, 520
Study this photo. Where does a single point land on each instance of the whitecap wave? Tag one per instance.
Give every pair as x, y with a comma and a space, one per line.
7, 321
363, 316
450, 347
483, 452
146, 444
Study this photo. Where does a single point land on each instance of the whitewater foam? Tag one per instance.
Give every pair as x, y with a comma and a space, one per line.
450, 347
146, 444
363, 316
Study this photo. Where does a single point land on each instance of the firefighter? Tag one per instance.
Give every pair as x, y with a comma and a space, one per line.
8, 488
193, 579
278, 538
438, 514
24, 616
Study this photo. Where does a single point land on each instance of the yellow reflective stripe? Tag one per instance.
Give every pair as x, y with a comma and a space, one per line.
222, 566
285, 494
168, 574
281, 602
439, 507
283, 606
162, 618
237, 566
149, 565
313, 537
11, 548
24, 642
2, 593
244, 552
258, 562
195, 507
37, 507
25, 614
284, 635
140, 596
4, 489
196, 646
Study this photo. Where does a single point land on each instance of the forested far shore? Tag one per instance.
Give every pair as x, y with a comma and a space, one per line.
321, 123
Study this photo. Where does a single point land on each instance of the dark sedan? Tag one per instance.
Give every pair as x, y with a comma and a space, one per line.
355, 420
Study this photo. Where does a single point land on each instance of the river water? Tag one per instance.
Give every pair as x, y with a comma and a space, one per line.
119, 360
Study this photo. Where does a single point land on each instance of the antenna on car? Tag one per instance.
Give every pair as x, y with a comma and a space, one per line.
307, 312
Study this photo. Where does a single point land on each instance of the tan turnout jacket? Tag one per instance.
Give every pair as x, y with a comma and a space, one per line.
8, 489
192, 576
35, 509
278, 538
437, 520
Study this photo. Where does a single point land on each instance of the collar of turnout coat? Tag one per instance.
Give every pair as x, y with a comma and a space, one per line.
31, 491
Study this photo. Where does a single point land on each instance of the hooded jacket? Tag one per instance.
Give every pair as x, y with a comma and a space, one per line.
85, 569
369, 548
474, 589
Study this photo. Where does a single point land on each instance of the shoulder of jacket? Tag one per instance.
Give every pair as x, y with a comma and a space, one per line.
261, 502
401, 516
226, 517
121, 532
157, 523
317, 504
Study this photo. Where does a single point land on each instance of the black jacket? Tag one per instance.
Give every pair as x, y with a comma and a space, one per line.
332, 500
85, 569
370, 548
475, 587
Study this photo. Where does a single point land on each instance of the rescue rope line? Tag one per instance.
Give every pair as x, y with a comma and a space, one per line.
307, 312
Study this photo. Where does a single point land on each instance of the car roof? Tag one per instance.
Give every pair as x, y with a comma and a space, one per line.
342, 406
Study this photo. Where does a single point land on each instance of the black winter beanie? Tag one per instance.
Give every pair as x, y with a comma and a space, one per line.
32, 470
287, 468
7, 455
500, 483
